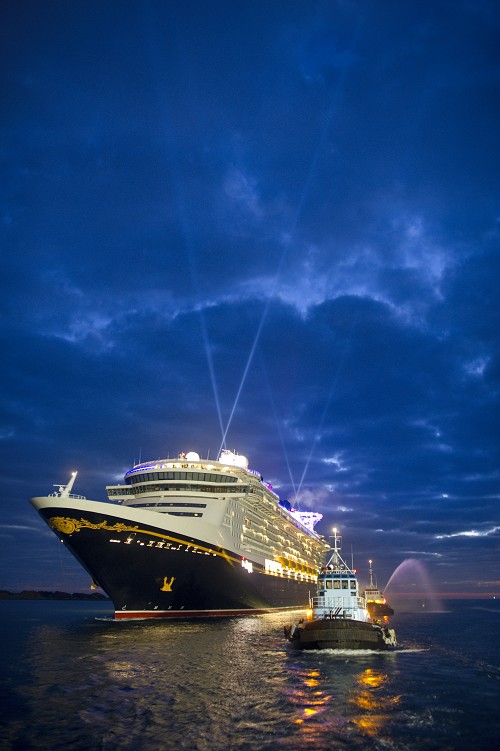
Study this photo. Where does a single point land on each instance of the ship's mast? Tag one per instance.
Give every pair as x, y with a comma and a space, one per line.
371, 575
65, 490
336, 561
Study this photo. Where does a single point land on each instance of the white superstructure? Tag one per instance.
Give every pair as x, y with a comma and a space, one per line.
338, 594
226, 503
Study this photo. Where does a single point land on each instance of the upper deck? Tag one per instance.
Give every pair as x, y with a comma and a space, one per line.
202, 479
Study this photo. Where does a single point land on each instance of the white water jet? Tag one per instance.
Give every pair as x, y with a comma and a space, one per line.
410, 582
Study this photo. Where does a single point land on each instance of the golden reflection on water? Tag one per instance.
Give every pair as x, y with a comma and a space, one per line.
373, 678
312, 679
327, 706
311, 700
374, 708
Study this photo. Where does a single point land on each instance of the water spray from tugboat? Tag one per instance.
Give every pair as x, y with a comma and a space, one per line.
410, 583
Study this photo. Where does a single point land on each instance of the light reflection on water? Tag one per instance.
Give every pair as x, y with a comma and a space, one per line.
374, 708
234, 684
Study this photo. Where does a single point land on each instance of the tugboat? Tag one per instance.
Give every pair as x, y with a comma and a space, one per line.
376, 604
338, 618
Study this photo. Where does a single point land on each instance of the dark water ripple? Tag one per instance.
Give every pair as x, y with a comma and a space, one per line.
77, 680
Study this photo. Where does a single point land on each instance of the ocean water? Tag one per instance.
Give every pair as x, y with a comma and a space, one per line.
72, 678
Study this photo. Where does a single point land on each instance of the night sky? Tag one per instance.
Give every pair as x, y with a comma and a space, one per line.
272, 225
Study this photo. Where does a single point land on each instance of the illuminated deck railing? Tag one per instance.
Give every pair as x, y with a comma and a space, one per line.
70, 495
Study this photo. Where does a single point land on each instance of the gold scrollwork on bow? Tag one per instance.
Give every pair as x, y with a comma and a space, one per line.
67, 526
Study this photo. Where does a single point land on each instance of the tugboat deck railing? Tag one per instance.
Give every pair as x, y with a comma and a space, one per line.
334, 603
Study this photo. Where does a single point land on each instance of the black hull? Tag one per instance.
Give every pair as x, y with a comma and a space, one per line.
336, 634
148, 572
379, 610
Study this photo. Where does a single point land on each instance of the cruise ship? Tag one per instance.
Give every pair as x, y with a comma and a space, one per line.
187, 537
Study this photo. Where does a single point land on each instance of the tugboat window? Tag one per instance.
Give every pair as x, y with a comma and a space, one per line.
328, 584
336, 584
345, 584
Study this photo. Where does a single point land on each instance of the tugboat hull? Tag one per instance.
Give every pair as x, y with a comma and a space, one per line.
379, 609
340, 634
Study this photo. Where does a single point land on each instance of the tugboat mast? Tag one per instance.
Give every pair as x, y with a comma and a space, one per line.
336, 562
371, 576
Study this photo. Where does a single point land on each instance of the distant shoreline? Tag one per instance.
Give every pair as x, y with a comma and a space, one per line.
45, 595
